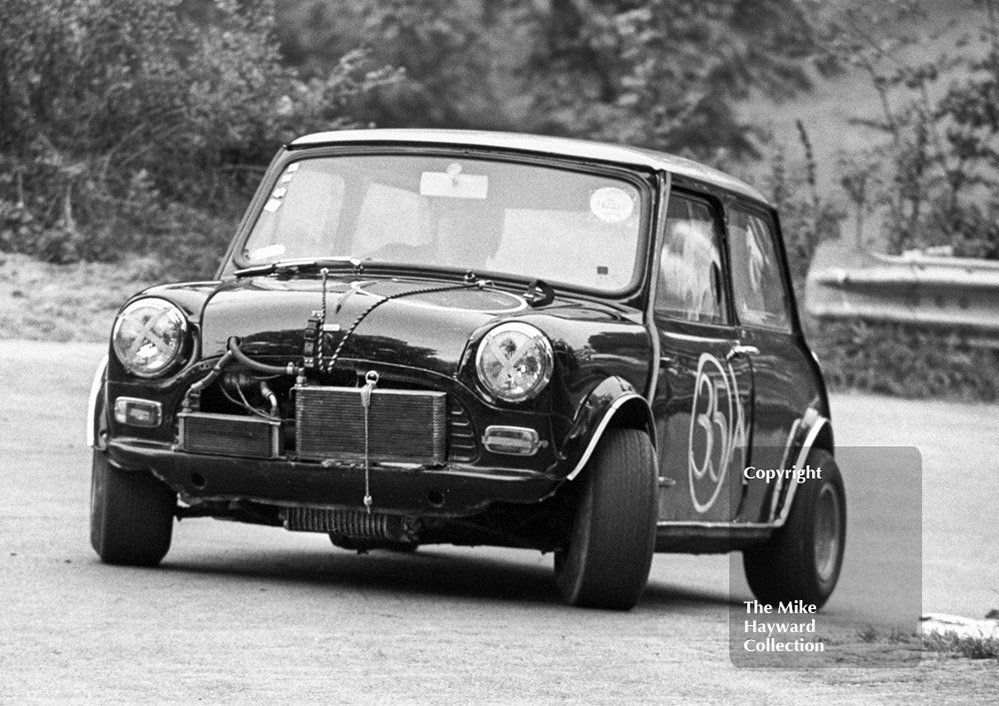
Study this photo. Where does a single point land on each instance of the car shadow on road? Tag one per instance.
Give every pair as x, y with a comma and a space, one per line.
429, 572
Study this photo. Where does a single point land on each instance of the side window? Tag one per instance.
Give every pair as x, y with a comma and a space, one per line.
690, 269
759, 289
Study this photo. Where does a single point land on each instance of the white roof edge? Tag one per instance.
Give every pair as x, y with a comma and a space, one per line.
541, 144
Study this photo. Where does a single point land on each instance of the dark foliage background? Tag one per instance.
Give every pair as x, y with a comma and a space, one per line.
664, 74
140, 127
135, 126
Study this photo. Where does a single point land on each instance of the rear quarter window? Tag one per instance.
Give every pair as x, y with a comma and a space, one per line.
758, 285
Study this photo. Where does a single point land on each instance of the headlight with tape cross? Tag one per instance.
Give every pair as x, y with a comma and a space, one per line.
514, 361
148, 336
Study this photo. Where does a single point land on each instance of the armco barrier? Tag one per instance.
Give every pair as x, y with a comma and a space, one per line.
939, 292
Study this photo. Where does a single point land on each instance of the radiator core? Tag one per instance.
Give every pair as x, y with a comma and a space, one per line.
228, 435
404, 426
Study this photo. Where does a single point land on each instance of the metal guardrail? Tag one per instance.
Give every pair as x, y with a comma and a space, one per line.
932, 292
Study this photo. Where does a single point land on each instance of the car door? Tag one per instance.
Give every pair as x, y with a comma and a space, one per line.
783, 379
702, 401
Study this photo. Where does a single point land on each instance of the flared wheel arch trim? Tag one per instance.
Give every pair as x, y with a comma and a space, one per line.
806, 447
612, 410
96, 390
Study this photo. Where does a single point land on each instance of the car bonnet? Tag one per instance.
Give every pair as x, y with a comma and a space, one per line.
415, 323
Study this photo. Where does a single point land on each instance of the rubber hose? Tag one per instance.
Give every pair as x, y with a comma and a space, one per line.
254, 365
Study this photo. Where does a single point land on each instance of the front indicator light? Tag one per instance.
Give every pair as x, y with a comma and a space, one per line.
148, 336
514, 361
514, 441
137, 412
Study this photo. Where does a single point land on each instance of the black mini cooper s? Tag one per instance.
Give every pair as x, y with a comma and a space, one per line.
479, 338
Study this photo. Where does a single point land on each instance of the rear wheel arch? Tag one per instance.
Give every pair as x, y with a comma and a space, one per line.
824, 437
803, 557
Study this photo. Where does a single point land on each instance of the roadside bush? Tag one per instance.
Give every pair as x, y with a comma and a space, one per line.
807, 218
124, 123
905, 361
965, 646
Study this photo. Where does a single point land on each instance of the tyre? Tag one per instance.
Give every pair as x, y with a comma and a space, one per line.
608, 554
131, 515
802, 559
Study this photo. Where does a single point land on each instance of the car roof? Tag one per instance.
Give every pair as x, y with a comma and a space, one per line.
539, 144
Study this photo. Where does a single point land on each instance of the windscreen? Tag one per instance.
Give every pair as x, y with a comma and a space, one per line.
506, 218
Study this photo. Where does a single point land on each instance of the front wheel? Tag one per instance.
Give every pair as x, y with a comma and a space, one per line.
609, 551
131, 515
802, 559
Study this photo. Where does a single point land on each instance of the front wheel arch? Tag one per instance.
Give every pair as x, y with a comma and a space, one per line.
97, 421
614, 404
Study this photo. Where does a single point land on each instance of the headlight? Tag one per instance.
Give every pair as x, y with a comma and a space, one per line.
514, 361
148, 336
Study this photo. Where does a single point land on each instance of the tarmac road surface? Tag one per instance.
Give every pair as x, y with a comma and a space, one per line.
241, 614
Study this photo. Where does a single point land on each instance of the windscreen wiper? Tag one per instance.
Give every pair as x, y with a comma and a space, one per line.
305, 264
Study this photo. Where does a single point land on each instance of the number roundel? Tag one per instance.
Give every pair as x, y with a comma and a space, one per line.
717, 430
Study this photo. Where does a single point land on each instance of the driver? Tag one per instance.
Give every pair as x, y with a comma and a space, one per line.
467, 233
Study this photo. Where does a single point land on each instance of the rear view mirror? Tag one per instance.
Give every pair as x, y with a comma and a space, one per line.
453, 184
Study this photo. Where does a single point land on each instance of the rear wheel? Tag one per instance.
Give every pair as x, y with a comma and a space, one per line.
802, 559
131, 515
606, 561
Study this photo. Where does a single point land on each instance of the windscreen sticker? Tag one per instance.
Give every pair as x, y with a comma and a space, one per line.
279, 193
292, 168
272, 205
287, 177
275, 250
611, 204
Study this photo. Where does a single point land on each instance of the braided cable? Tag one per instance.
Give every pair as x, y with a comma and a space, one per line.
399, 295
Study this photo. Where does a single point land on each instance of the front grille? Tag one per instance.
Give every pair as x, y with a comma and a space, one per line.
228, 435
407, 426
461, 435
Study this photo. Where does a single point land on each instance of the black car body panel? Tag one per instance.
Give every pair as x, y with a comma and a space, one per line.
423, 339
709, 364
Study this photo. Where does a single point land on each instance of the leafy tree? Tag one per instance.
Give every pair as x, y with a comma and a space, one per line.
658, 73
460, 59
126, 121
936, 175
666, 73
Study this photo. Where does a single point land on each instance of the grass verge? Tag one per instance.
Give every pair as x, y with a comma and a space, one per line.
964, 646
62, 303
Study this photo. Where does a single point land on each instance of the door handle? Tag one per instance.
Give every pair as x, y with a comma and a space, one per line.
739, 350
